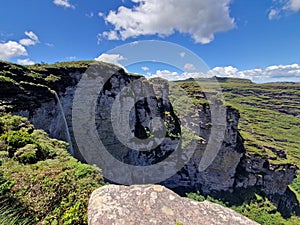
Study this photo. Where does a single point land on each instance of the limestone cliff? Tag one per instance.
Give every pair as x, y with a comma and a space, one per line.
45, 95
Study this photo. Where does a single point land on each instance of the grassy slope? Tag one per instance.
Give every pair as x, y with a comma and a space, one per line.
270, 125
40, 183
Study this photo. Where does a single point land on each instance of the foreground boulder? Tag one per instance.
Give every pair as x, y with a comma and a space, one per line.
154, 204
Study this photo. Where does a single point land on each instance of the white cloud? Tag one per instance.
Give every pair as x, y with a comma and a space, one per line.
166, 74
271, 73
49, 45
294, 5
283, 6
111, 58
189, 67
274, 14
25, 62
89, 15
182, 54
11, 49
71, 58
201, 19
110, 35
99, 38
31, 40
63, 3
145, 68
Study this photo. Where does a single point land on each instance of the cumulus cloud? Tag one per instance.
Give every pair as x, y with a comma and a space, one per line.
11, 49
271, 73
111, 35
25, 62
31, 40
294, 5
145, 68
182, 54
111, 58
166, 74
63, 3
49, 45
201, 19
189, 67
89, 15
273, 14
71, 58
283, 6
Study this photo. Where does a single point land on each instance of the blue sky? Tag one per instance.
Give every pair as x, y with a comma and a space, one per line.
257, 39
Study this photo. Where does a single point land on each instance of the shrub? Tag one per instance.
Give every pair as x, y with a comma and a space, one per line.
27, 154
52, 78
16, 139
39, 180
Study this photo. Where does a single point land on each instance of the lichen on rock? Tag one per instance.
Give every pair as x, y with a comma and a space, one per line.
154, 204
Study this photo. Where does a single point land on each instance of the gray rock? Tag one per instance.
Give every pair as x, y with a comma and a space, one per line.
154, 204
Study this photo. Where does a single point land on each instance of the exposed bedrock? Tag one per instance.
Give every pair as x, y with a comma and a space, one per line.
148, 111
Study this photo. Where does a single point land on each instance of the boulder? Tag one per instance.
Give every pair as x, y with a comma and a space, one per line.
155, 204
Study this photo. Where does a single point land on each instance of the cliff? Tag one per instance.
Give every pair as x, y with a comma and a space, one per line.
44, 94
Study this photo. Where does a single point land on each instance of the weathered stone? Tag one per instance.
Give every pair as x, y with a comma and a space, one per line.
153, 204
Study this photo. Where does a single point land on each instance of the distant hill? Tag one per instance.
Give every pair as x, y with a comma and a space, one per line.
219, 79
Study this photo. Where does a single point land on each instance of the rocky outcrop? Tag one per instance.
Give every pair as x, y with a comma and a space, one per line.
220, 174
255, 170
154, 204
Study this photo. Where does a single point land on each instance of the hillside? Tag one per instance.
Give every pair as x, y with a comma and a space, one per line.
269, 122
270, 116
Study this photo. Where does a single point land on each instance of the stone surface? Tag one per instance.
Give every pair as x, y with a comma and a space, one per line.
154, 204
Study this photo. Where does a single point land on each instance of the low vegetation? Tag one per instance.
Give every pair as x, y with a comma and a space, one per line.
259, 209
40, 183
270, 127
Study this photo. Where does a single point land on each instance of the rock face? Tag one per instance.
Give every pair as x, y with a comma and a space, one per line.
220, 175
49, 107
154, 204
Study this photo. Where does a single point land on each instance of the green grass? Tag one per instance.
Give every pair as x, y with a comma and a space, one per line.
270, 116
39, 181
11, 216
259, 209
270, 126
